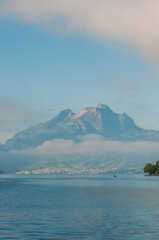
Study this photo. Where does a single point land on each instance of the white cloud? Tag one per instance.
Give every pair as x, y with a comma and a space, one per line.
92, 144
133, 22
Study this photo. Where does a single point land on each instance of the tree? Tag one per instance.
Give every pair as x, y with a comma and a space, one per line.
157, 165
153, 169
148, 167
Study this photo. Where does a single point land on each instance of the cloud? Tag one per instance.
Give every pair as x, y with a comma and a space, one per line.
126, 86
125, 21
92, 144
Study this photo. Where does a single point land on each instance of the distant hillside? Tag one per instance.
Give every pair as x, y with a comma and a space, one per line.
99, 120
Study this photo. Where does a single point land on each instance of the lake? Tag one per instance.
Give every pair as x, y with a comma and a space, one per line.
47, 207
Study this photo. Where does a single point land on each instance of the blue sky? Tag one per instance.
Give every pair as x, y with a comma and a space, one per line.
43, 68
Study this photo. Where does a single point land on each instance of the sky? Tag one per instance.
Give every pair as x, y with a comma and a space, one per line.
58, 54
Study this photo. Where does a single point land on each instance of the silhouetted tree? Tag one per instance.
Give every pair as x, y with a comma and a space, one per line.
151, 169
147, 168
157, 166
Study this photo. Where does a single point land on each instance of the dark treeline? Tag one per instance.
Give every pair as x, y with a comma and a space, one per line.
152, 168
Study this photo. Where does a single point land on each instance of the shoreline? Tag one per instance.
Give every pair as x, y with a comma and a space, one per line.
152, 174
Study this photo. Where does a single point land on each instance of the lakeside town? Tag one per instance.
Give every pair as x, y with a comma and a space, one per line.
78, 170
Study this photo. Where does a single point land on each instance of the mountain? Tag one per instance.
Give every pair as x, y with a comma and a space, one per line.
99, 120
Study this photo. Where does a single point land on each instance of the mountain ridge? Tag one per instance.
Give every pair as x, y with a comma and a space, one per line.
99, 119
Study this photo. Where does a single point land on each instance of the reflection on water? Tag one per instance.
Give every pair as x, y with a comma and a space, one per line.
79, 207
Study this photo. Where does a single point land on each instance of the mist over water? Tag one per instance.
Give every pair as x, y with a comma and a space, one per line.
79, 207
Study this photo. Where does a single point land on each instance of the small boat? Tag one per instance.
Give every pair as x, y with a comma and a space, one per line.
114, 176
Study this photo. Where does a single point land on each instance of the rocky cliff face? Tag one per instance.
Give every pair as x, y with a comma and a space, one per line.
99, 120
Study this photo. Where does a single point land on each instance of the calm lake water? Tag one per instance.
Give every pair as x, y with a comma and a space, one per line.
79, 207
